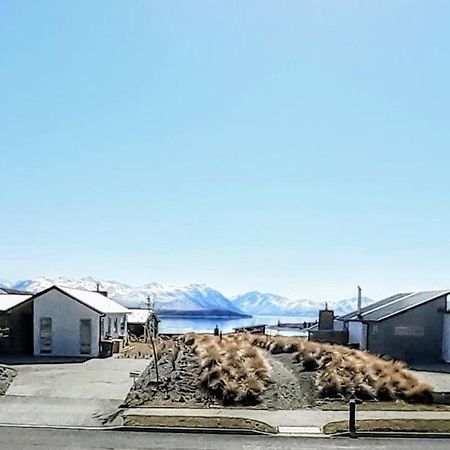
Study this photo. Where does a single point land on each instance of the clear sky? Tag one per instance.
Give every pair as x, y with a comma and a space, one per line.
297, 147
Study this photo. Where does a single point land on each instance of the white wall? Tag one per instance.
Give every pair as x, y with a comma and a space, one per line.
66, 314
357, 332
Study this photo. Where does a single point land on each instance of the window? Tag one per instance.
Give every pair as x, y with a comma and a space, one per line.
46, 335
108, 332
116, 322
410, 330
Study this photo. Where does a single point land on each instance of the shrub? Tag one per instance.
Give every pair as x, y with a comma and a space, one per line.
233, 370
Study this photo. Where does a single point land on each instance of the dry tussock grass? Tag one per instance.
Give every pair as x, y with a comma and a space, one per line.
342, 371
232, 369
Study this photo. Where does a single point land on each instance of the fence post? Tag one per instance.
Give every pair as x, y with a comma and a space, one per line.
352, 418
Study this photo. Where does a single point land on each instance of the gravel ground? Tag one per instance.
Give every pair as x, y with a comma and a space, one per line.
6, 378
177, 383
292, 389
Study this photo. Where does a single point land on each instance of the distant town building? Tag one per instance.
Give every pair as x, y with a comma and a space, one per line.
137, 320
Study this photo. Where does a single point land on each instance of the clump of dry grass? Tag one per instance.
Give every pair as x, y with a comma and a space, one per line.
343, 371
233, 370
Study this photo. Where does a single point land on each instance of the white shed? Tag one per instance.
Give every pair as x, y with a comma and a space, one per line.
72, 322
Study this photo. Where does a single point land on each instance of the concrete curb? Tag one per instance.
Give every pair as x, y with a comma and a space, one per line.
193, 430
60, 427
393, 434
142, 429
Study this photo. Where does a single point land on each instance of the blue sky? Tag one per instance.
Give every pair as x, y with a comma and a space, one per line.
298, 147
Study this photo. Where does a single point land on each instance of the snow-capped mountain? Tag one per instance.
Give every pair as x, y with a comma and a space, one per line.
342, 307
257, 303
194, 299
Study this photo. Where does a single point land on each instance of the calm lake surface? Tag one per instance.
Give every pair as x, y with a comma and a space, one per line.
184, 325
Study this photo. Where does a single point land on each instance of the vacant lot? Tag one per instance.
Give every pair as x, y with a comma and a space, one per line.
268, 373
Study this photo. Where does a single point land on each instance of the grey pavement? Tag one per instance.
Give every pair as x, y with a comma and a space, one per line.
18, 439
67, 393
310, 418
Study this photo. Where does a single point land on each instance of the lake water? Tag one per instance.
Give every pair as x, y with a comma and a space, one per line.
184, 325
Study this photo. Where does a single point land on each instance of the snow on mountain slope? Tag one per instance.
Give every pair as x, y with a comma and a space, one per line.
194, 298
5, 283
257, 303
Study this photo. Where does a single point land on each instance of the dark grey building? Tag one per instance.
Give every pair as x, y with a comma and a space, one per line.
413, 327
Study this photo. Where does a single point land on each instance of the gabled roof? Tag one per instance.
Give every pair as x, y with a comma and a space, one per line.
354, 314
394, 305
9, 301
94, 300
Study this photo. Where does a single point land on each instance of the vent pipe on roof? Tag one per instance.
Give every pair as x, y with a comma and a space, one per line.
359, 302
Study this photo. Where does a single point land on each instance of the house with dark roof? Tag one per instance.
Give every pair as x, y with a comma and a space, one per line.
413, 327
60, 321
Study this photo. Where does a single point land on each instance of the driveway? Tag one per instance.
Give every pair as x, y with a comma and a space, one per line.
71, 394
440, 381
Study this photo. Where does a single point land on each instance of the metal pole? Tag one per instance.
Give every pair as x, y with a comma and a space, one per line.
352, 418
359, 301
155, 358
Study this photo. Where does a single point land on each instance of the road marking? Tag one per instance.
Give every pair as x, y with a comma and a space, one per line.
299, 430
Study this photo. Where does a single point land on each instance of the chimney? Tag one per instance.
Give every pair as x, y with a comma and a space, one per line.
104, 293
359, 302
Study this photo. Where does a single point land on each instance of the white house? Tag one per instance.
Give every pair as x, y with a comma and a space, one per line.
73, 322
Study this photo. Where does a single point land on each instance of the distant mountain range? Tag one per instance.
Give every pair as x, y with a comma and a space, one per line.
257, 303
193, 300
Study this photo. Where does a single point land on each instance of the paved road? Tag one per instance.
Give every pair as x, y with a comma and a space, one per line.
18, 439
67, 393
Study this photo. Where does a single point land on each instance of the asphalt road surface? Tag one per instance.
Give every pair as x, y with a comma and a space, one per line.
31, 438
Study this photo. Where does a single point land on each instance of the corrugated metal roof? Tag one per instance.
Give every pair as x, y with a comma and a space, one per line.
354, 314
8, 301
138, 316
403, 304
95, 300
394, 305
